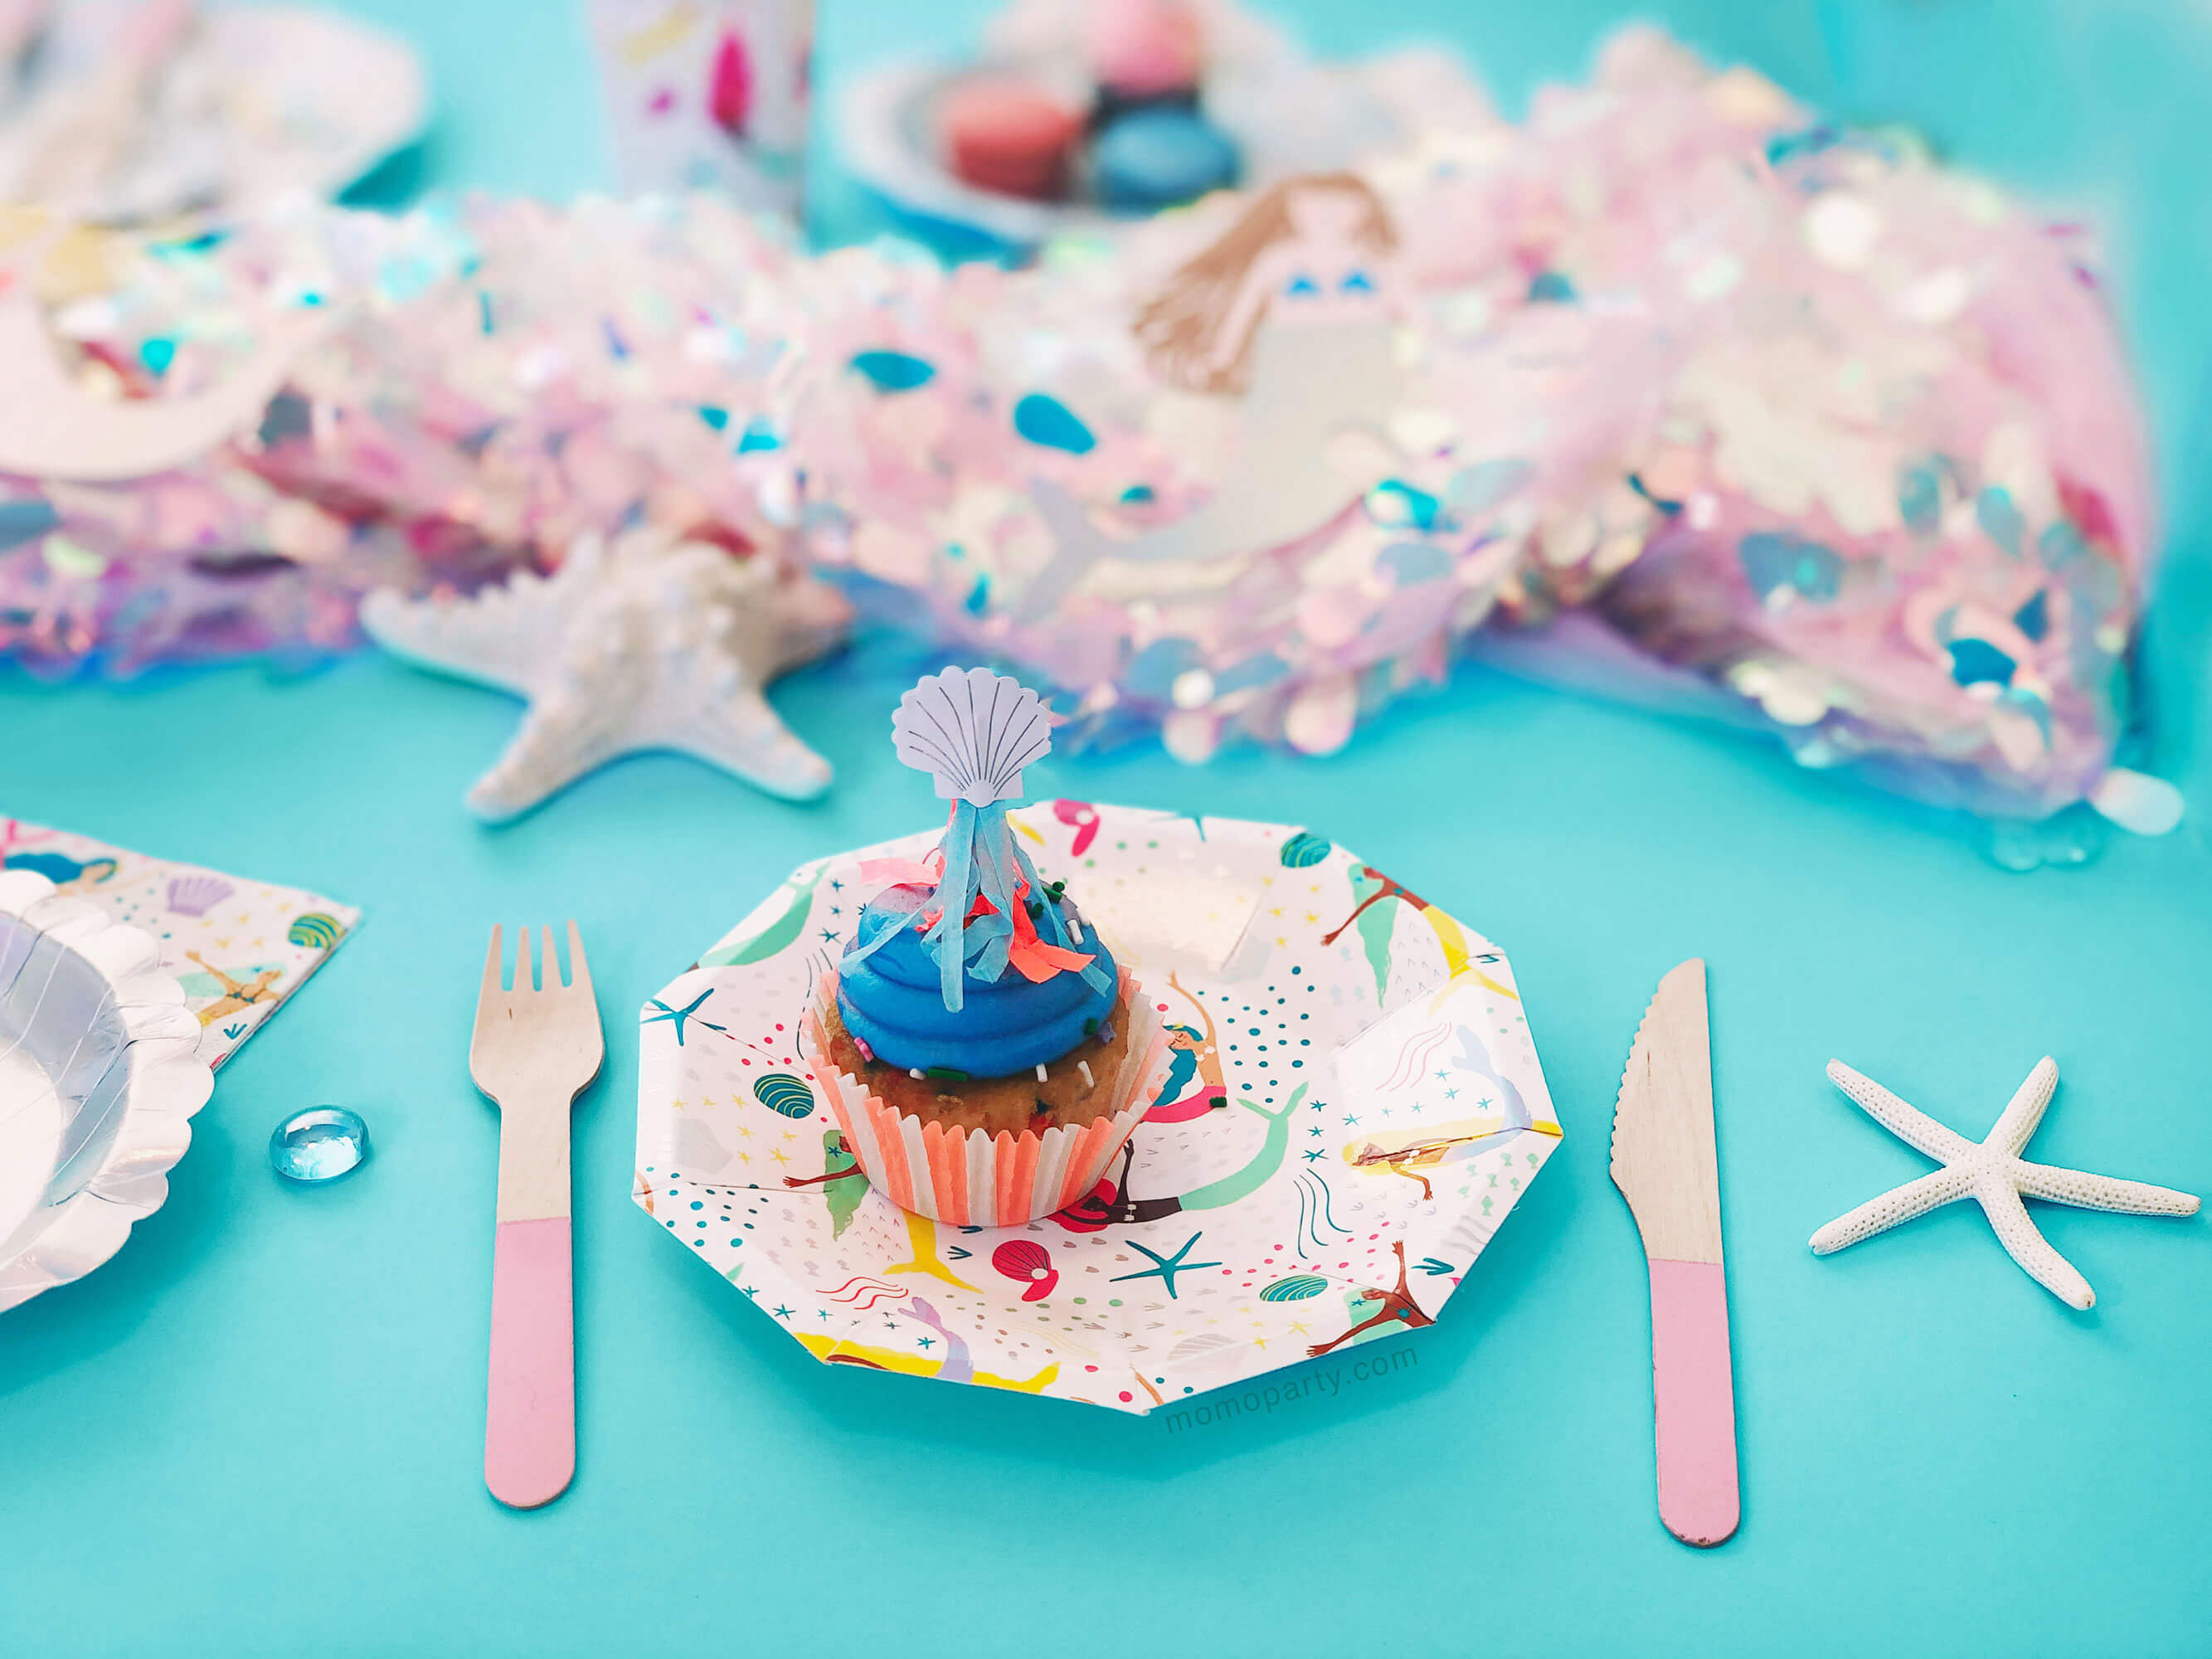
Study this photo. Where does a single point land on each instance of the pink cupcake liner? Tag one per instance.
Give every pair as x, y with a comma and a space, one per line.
976, 1179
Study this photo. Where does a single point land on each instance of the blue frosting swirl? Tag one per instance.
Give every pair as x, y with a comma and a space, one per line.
892, 999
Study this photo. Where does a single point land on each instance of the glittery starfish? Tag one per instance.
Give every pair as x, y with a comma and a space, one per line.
646, 646
1993, 1173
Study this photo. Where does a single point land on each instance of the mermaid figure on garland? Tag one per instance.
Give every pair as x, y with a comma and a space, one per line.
1292, 309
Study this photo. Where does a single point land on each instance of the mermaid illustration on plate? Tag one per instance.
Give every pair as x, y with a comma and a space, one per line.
1291, 308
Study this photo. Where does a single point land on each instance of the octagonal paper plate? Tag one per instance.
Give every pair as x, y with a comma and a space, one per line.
1381, 1109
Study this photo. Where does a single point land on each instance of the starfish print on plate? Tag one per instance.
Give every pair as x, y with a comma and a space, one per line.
1165, 1267
1994, 1175
643, 645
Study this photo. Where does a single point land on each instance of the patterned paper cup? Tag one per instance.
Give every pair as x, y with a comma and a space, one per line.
976, 1179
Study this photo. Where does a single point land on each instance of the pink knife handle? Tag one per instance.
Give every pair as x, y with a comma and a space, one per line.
529, 1422
1693, 1395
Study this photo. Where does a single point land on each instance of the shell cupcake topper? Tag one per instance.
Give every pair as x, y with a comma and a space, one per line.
973, 731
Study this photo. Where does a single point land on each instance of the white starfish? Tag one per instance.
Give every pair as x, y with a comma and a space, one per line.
646, 645
1993, 1173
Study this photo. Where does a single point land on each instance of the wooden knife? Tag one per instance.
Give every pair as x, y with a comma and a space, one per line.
1665, 1165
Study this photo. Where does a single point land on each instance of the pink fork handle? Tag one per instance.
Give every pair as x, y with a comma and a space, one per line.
1693, 1395
529, 1422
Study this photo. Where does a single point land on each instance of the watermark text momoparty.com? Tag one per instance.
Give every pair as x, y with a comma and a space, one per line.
1218, 1408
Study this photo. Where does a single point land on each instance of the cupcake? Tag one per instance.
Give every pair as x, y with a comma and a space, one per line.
983, 1052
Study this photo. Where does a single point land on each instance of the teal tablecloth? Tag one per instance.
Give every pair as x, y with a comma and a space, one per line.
258, 1430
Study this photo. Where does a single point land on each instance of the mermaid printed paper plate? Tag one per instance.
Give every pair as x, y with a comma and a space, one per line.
1355, 1105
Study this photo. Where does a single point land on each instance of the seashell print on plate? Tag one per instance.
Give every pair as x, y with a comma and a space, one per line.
195, 895
1354, 1106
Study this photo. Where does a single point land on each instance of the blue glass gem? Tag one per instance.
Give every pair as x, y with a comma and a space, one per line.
320, 1144
1552, 288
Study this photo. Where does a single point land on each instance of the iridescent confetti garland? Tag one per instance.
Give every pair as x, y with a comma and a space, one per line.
1700, 396
498, 378
1695, 393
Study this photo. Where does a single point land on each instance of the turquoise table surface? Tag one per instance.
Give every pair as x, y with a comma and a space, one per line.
258, 1429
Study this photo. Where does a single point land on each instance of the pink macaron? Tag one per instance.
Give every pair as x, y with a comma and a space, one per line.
1004, 134
1145, 49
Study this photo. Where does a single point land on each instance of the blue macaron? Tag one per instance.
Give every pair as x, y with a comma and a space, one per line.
1158, 157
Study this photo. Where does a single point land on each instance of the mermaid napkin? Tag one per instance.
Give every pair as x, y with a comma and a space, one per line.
241, 947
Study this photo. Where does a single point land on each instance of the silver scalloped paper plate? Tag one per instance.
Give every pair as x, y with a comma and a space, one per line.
98, 1079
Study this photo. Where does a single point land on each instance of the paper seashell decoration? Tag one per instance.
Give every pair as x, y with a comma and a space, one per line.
973, 731
195, 895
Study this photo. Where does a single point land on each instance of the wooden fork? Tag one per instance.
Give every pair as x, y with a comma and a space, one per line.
535, 1050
